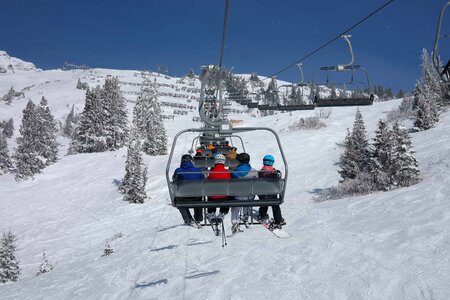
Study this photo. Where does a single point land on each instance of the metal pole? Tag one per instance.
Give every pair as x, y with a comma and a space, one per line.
437, 38
224, 35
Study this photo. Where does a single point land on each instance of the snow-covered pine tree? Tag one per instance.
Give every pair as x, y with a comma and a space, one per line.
116, 121
46, 125
404, 165
416, 96
333, 93
400, 94
431, 79
360, 143
8, 128
9, 265
355, 159
69, 124
27, 154
133, 185
271, 92
190, 74
427, 114
5, 161
406, 106
88, 136
147, 119
348, 168
381, 157
45, 266
126, 181
342, 93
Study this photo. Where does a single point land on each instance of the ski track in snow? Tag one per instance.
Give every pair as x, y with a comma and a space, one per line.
392, 245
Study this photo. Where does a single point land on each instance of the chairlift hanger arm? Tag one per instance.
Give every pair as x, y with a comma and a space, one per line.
435, 59
347, 37
302, 78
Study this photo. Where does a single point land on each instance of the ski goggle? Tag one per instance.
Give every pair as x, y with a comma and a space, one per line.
268, 162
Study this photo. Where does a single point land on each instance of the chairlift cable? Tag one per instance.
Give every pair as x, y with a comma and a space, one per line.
332, 40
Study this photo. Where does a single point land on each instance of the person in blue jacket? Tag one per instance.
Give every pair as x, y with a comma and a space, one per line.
187, 171
243, 170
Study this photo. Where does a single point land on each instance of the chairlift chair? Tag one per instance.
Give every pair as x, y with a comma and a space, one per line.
179, 189
365, 99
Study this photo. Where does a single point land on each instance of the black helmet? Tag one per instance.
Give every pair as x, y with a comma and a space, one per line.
243, 158
186, 157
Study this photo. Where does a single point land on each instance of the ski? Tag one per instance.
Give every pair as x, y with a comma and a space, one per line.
280, 233
236, 232
193, 224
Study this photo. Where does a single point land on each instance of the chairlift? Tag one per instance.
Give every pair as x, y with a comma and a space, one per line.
217, 130
444, 71
365, 97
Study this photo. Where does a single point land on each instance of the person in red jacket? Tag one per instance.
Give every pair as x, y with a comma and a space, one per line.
218, 172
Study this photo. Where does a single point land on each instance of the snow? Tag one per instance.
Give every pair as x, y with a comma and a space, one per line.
10, 64
392, 245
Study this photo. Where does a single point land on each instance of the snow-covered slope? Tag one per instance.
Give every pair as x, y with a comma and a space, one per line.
392, 245
10, 64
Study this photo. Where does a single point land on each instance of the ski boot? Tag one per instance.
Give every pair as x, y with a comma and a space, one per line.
244, 219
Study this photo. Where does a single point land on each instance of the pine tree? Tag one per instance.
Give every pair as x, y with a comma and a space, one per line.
405, 167
116, 121
133, 185
5, 161
47, 146
333, 94
147, 119
427, 114
272, 92
190, 74
389, 95
89, 136
69, 124
381, 158
431, 79
8, 128
27, 154
360, 143
428, 95
45, 266
416, 94
348, 167
400, 94
9, 265
355, 159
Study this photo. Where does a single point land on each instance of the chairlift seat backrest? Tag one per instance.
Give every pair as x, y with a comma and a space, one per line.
344, 101
208, 162
230, 187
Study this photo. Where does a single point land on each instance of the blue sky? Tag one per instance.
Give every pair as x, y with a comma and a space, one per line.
263, 36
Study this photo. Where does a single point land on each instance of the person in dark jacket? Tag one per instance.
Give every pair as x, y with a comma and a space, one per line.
243, 170
187, 171
268, 171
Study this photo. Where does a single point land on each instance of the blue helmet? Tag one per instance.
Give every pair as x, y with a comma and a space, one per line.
268, 160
